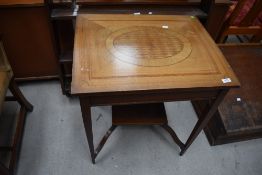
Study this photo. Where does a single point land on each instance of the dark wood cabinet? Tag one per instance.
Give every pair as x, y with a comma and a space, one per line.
239, 116
28, 42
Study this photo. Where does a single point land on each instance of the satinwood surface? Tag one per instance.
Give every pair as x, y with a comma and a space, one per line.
145, 52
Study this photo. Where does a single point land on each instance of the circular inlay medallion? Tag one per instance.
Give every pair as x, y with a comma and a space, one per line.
148, 46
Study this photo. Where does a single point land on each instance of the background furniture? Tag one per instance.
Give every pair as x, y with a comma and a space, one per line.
243, 18
28, 40
133, 60
63, 13
239, 117
11, 134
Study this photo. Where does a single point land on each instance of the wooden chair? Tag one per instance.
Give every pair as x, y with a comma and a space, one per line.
7, 82
245, 18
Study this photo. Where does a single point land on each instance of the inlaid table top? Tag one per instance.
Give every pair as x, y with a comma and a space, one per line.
145, 52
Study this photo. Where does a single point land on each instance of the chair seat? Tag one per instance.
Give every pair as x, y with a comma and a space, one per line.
5, 78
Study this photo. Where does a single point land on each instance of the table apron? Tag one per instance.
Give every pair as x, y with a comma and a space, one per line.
107, 99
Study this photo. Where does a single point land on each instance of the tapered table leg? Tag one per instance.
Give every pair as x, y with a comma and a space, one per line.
86, 114
173, 135
202, 122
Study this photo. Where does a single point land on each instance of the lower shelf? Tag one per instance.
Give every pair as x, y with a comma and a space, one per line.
139, 114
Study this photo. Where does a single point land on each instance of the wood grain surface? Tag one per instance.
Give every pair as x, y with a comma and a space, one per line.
144, 52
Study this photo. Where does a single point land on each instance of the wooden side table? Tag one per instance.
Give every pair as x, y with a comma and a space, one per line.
137, 62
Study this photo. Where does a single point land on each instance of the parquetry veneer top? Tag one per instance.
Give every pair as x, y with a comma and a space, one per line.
145, 52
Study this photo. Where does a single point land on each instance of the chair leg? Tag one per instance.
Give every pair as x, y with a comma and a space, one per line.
256, 38
222, 37
3, 170
19, 96
225, 39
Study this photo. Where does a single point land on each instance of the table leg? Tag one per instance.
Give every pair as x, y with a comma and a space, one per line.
86, 114
203, 121
173, 135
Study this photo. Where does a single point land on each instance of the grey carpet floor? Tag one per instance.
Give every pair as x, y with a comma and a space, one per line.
55, 144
